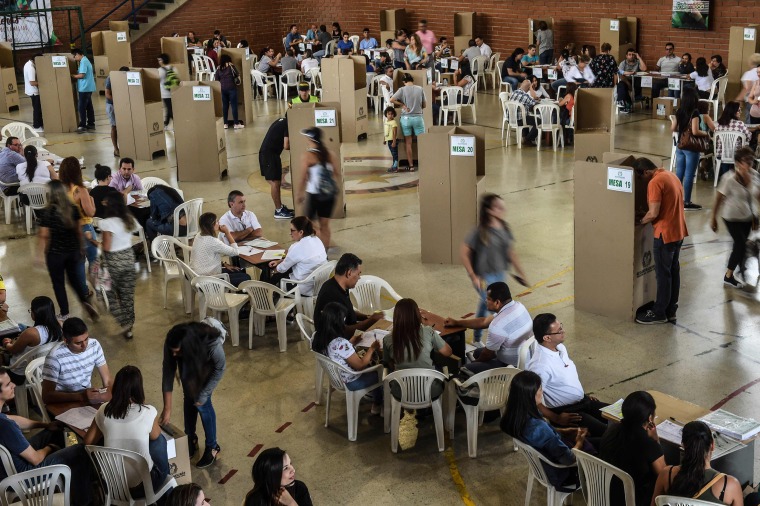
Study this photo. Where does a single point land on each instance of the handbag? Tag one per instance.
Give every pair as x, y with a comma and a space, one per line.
689, 142
235, 75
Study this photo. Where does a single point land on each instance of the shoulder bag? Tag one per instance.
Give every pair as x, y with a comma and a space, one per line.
689, 142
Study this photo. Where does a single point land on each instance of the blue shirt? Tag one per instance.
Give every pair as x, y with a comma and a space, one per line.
541, 436
370, 43
345, 47
87, 83
13, 439
290, 37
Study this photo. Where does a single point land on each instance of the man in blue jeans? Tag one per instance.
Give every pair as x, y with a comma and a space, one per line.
666, 214
85, 88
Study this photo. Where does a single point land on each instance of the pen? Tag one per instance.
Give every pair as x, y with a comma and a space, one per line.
679, 422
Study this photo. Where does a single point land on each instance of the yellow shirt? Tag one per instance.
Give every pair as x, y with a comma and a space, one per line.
84, 219
389, 126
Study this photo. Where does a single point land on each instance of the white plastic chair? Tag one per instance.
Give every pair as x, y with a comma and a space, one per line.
306, 326
450, 104
671, 500
502, 83
315, 81
596, 475
330, 48
262, 305
516, 110
525, 352
717, 95
6, 460
503, 99
366, 294
204, 67
37, 142
18, 129
289, 79
537, 473
547, 120
478, 67
728, 142
111, 464
493, 390
386, 96
355, 41
188, 275
332, 370
492, 69
468, 102
38, 195
373, 93
9, 201
33, 375
162, 249
37, 487
416, 387
22, 391
138, 237
218, 296
264, 81
192, 210
305, 303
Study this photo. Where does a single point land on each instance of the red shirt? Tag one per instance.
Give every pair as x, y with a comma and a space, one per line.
666, 188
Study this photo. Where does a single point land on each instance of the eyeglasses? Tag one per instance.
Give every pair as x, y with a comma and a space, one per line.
561, 331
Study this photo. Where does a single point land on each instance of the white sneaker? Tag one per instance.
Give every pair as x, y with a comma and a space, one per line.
39, 130
478, 344
239, 125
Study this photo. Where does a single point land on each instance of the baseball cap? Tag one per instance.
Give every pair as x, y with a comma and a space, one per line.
303, 87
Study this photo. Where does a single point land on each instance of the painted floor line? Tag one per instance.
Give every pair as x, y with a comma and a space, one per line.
457, 477
733, 394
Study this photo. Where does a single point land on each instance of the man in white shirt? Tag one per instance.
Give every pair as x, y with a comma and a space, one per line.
242, 224
508, 328
32, 90
565, 403
387, 79
485, 49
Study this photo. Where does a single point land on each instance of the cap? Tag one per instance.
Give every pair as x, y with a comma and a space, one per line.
303, 87
313, 133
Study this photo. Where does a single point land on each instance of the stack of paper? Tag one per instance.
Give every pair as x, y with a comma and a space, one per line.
731, 425
273, 254
248, 250
614, 410
261, 243
371, 336
670, 431
79, 418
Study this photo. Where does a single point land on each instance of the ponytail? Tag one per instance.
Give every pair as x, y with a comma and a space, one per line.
697, 441
30, 153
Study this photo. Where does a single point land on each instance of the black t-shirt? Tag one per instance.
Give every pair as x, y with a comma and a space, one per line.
324, 38
633, 452
98, 194
297, 490
61, 240
275, 137
331, 291
510, 63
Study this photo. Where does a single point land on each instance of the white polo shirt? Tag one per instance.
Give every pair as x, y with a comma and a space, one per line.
559, 377
235, 224
511, 326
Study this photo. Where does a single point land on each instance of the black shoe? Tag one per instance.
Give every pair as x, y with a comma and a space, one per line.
81, 130
209, 457
732, 282
192, 447
90, 127
691, 206
650, 318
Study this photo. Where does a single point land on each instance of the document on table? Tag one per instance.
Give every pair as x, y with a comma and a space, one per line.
248, 250
614, 410
670, 431
273, 254
370, 336
79, 418
261, 243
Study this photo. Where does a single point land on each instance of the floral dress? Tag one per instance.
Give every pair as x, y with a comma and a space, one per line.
604, 68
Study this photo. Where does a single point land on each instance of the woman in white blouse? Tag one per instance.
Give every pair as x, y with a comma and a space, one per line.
303, 257
581, 73
208, 250
33, 170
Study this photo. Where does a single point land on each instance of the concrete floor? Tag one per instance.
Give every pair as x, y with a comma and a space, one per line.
710, 354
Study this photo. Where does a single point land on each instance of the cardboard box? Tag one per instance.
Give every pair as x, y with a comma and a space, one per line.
177, 50
533, 26
390, 21
742, 42
139, 113
305, 116
449, 188
612, 253
620, 32
111, 51
344, 80
594, 123
464, 30
662, 107
179, 458
57, 92
420, 79
245, 100
198, 122
7, 78
121, 26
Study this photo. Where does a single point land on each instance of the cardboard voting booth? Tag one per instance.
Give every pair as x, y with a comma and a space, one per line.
344, 80
533, 27
464, 28
177, 50
139, 113
420, 79
120, 26
7, 78
620, 33
179, 458
663, 107
199, 131
452, 176
390, 21
243, 66
57, 91
742, 42
327, 116
110, 51
594, 123
614, 266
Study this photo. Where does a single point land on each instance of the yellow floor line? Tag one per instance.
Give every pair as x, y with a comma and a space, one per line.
563, 299
456, 477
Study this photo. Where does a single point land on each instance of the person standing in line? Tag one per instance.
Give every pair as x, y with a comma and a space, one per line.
487, 252
687, 160
112, 114
118, 257
169, 81
666, 214
226, 74
318, 185
275, 141
411, 99
85, 88
194, 351
32, 90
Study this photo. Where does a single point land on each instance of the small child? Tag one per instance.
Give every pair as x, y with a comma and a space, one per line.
391, 130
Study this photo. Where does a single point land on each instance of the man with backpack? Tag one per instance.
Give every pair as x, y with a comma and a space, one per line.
169, 81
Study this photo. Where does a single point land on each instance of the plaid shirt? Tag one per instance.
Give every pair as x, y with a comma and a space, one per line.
734, 126
524, 98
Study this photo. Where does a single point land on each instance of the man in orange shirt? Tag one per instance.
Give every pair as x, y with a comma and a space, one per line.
665, 199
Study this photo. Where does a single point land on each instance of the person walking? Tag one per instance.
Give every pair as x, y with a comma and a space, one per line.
686, 123
194, 352
318, 185
85, 88
70, 174
169, 80
487, 253
119, 259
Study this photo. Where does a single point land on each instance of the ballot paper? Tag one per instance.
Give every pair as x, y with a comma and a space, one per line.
614, 410
79, 418
261, 243
670, 431
273, 254
370, 336
248, 250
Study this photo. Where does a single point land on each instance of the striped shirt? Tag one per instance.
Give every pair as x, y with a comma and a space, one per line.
72, 372
511, 326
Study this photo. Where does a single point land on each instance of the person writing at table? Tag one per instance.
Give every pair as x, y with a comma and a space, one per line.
193, 41
581, 73
67, 373
208, 250
303, 257
242, 224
